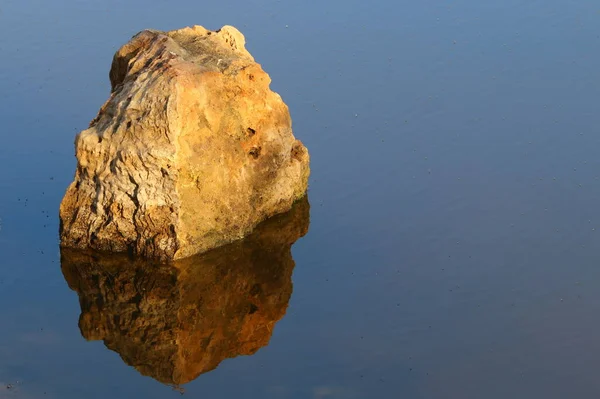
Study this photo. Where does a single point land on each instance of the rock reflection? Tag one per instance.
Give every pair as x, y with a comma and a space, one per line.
175, 322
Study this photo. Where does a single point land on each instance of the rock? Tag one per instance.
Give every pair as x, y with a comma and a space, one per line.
175, 321
191, 151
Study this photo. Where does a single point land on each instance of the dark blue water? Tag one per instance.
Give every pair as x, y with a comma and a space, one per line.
453, 249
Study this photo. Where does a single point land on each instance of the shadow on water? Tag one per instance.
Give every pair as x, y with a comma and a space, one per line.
174, 322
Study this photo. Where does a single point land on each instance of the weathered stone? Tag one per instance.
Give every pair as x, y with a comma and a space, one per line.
175, 321
191, 151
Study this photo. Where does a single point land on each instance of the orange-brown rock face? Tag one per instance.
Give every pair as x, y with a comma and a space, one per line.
174, 322
191, 151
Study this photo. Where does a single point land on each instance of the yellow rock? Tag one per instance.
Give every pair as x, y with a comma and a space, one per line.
191, 151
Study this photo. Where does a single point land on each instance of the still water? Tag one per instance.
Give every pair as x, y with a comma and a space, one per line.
452, 246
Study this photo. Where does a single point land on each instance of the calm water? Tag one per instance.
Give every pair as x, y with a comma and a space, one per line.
453, 249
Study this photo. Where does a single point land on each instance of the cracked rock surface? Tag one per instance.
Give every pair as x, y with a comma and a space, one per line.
191, 151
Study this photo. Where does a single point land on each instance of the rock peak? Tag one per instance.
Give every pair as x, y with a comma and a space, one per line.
191, 150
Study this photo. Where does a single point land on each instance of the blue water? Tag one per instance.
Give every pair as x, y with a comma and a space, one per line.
454, 227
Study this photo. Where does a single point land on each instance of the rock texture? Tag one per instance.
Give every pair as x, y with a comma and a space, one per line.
174, 322
191, 151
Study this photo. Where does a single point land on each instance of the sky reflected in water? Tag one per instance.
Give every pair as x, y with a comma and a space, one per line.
453, 243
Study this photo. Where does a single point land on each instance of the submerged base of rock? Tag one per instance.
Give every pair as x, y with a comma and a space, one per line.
174, 322
191, 151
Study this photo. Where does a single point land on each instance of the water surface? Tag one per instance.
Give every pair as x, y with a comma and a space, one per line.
454, 223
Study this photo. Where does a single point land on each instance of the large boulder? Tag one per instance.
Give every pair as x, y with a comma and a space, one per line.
191, 151
176, 321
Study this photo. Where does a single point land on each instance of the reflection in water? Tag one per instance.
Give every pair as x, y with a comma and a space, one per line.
175, 322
